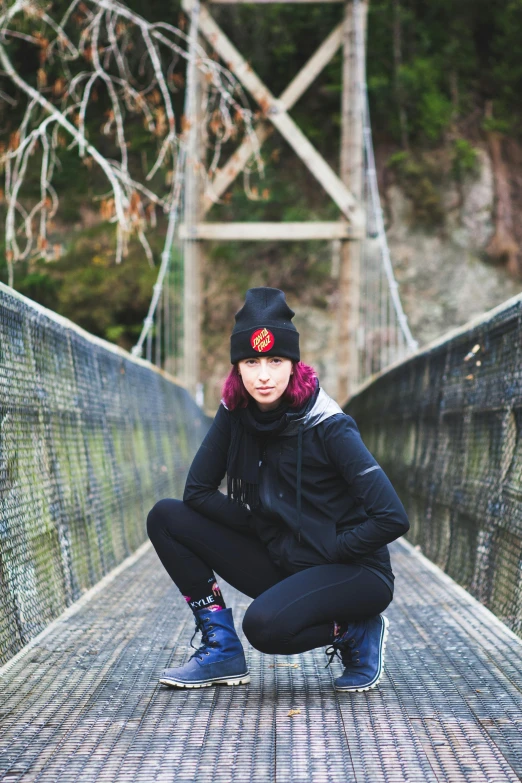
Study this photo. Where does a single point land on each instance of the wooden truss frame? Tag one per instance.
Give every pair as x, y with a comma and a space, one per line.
276, 111
344, 190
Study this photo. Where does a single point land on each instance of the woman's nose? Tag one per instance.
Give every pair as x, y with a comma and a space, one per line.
264, 373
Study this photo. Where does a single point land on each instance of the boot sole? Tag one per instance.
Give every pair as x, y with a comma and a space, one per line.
371, 685
243, 680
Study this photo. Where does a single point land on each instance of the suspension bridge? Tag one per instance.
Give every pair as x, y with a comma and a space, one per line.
91, 436
372, 328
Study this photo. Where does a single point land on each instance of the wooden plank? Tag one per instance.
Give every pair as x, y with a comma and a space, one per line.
318, 167
290, 96
234, 166
311, 70
269, 231
275, 111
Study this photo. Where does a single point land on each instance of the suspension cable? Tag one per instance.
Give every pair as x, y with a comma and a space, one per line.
179, 180
372, 180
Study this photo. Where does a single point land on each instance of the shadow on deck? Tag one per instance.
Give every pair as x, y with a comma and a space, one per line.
82, 703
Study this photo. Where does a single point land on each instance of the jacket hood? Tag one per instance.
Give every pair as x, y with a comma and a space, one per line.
322, 409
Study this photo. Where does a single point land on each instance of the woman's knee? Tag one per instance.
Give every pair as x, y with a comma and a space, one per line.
162, 515
260, 629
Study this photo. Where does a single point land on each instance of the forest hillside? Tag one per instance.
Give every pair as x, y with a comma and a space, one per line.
445, 87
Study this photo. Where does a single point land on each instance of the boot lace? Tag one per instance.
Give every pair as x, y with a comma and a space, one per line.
343, 650
203, 626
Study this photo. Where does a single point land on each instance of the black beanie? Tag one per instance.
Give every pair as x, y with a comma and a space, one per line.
264, 326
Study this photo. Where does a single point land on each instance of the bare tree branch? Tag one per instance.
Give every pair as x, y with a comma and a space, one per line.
104, 45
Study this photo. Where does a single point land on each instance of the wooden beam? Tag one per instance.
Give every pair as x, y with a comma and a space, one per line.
311, 70
269, 231
234, 166
275, 111
237, 162
318, 167
351, 167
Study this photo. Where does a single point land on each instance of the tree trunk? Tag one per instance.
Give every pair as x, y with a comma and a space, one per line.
503, 247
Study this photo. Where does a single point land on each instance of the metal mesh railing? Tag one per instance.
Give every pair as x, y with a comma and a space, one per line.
446, 426
90, 438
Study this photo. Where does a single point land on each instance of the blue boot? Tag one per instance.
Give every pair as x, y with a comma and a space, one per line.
220, 658
362, 653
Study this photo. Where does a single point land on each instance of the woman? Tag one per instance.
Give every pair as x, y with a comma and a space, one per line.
303, 528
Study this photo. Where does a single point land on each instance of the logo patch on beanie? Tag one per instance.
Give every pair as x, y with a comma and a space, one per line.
262, 340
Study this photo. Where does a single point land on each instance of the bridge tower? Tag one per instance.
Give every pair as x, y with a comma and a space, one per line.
344, 188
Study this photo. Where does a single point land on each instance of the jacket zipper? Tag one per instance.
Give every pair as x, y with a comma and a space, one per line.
265, 493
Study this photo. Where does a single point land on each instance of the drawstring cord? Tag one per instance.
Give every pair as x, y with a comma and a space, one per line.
299, 465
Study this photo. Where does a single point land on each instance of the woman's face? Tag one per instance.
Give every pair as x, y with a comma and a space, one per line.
265, 379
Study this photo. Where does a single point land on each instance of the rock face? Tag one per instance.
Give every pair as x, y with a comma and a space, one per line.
443, 277
318, 340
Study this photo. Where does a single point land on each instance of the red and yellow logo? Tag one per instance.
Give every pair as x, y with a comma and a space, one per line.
262, 340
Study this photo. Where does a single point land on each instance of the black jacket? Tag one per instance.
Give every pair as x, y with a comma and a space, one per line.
349, 508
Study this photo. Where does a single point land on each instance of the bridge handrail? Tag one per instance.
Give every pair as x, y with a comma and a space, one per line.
90, 438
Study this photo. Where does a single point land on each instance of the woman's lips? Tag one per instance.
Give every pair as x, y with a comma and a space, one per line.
265, 390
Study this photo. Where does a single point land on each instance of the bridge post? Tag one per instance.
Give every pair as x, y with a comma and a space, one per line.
193, 258
351, 173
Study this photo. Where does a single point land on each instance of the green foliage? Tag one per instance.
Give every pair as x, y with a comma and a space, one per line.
40, 286
432, 112
506, 65
87, 286
496, 124
464, 159
419, 177
449, 59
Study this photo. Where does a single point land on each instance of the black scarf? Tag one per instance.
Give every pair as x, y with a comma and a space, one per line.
251, 428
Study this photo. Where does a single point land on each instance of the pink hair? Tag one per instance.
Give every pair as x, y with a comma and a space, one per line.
299, 389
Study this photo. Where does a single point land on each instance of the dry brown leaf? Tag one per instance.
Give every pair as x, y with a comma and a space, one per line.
293, 712
161, 124
14, 140
107, 208
59, 86
178, 79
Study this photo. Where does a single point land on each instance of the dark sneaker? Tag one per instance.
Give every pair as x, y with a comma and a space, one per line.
361, 649
219, 660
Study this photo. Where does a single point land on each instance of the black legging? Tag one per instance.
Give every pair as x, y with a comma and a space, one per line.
290, 613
